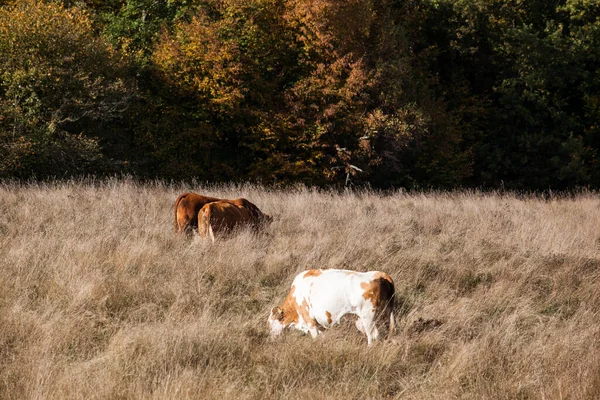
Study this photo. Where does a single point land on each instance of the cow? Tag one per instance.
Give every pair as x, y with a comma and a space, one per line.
319, 298
188, 205
226, 215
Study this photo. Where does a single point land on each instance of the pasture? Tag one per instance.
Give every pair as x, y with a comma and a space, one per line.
497, 296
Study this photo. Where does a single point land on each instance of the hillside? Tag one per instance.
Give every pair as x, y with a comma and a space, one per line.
99, 299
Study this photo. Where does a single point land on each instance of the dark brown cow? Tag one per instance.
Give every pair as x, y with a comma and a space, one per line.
226, 215
187, 207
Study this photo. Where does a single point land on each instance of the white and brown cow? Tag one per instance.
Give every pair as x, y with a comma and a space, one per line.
319, 298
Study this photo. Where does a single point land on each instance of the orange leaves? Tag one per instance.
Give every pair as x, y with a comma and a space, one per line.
196, 58
334, 27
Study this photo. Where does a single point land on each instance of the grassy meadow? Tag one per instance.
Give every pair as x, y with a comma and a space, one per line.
498, 297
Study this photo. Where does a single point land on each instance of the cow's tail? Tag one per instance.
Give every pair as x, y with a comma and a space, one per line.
176, 207
211, 233
392, 326
390, 308
204, 224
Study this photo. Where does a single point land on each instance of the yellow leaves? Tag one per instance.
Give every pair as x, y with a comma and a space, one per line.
267, 133
196, 58
333, 27
45, 28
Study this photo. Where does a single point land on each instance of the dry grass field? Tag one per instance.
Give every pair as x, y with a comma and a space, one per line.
498, 297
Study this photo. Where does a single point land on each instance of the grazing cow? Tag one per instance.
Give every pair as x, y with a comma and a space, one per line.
225, 215
320, 297
188, 205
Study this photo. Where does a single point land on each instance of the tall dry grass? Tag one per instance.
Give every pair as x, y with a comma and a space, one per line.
100, 300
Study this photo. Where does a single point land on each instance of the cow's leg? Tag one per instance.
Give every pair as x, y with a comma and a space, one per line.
359, 325
375, 332
369, 328
313, 327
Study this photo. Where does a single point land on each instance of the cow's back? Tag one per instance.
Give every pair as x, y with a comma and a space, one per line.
227, 216
333, 293
220, 217
258, 217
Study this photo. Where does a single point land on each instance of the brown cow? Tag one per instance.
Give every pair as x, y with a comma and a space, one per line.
187, 207
226, 215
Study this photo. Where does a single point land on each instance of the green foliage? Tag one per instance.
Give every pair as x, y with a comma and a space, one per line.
57, 78
526, 65
134, 26
427, 93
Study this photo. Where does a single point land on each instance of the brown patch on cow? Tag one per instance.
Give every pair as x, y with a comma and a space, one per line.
292, 311
303, 311
383, 275
329, 320
312, 272
290, 314
379, 291
371, 292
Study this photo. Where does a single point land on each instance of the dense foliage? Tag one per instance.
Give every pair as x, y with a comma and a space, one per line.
413, 93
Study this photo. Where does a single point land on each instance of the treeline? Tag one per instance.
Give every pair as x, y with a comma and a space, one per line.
415, 93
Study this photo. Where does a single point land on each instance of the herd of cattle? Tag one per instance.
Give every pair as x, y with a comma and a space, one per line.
212, 216
318, 298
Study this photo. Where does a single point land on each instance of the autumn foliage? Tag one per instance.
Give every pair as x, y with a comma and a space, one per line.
411, 94
58, 79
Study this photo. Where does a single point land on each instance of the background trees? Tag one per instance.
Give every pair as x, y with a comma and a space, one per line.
530, 66
417, 93
61, 89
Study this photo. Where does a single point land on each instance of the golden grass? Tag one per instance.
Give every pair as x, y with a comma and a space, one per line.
100, 300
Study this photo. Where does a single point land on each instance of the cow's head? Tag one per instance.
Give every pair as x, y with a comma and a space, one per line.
276, 325
263, 220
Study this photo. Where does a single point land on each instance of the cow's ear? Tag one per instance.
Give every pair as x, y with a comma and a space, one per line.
277, 313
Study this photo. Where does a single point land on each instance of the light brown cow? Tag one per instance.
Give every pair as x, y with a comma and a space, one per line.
226, 215
319, 298
188, 205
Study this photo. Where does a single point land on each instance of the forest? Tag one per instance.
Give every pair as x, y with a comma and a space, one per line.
415, 94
